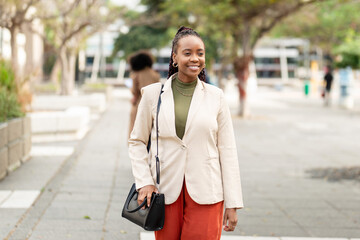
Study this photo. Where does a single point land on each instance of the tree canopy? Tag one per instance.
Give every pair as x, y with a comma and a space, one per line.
141, 37
333, 25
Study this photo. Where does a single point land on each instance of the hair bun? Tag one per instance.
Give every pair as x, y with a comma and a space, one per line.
182, 28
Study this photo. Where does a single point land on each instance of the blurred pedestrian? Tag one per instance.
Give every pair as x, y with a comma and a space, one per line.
197, 150
346, 78
142, 75
328, 78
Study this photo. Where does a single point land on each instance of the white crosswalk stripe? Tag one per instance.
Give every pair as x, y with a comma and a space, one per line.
51, 151
18, 199
150, 236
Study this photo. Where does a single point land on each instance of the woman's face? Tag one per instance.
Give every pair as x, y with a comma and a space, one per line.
190, 57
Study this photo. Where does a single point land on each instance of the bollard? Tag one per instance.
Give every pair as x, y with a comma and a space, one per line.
307, 87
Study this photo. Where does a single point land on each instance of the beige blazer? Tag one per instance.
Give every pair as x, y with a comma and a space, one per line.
206, 156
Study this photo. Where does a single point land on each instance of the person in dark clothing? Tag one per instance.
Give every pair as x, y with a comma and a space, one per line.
328, 78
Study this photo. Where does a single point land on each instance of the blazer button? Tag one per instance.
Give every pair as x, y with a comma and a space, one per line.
183, 147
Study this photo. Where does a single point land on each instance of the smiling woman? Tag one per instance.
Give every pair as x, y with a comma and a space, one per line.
191, 48
199, 166
190, 58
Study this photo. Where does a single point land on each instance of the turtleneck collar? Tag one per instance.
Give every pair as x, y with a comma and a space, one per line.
183, 85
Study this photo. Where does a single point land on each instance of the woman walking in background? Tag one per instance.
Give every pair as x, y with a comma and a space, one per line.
197, 150
142, 75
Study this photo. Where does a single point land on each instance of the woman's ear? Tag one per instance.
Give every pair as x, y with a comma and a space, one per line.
174, 58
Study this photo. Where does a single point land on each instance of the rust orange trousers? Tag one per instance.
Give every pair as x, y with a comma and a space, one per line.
188, 220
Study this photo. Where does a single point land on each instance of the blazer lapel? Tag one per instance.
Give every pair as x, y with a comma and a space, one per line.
196, 101
167, 106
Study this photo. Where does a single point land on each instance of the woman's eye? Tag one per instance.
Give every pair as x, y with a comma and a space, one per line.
201, 54
187, 54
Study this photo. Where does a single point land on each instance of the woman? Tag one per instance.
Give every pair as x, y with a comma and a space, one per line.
197, 150
142, 75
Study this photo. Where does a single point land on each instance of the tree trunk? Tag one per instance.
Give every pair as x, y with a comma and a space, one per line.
241, 67
72, 65
54, 75
14, 53
67, 71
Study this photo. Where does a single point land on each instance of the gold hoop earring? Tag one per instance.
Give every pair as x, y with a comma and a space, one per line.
175, 65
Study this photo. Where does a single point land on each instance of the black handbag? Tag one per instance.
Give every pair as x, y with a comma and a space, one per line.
151, 218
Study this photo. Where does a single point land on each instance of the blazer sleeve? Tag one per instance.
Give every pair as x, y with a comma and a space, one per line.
138, 141
228, 157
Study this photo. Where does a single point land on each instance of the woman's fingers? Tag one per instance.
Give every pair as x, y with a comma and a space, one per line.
149, 198
230, 220
140, 198
146, 192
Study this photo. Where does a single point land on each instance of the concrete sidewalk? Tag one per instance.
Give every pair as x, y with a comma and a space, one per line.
79, 195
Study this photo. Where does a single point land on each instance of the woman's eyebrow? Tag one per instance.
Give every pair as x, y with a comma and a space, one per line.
188, 49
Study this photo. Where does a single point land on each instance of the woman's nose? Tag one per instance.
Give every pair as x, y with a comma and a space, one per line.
194, 58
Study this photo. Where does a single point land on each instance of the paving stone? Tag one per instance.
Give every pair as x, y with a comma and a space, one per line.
301, 213
261, 212
73, 225
326, 222
346, 205
270, 231
334, 232
303, 204
266, 221
73, 214
312, 238
63, 235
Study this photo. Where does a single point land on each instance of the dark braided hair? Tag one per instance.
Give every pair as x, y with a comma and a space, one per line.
183, 32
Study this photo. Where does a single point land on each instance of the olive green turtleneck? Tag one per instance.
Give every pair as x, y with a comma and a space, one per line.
183, 93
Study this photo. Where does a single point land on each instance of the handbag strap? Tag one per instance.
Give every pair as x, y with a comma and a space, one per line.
157, 137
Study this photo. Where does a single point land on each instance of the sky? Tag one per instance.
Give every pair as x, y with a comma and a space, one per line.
132, 4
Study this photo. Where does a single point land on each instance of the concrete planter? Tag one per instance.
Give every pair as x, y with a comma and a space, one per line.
15, 143
95, 101
3, 150
71, 124
26, 138
15, 153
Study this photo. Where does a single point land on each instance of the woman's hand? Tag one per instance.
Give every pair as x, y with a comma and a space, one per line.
146, 191
230, 219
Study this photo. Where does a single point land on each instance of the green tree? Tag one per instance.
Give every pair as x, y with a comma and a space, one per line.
348, 53
141, 37
333, 25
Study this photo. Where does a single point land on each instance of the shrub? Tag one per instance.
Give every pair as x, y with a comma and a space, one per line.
9, 105
7, 78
